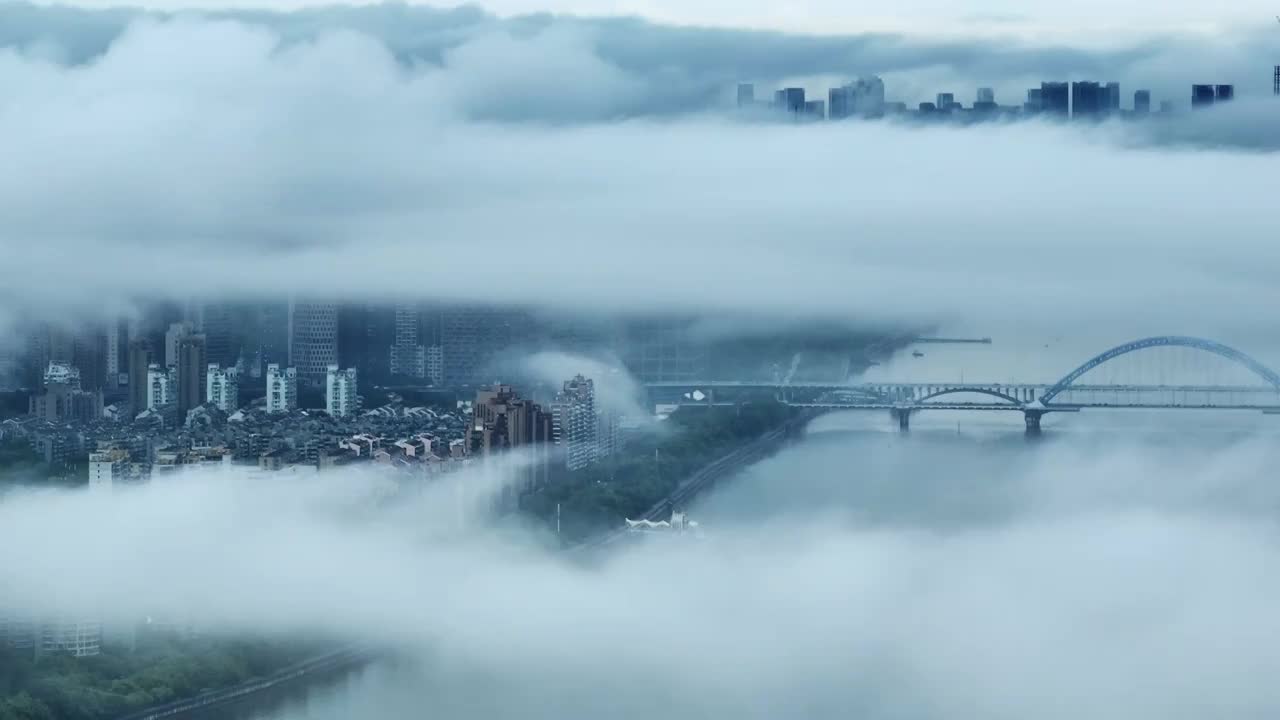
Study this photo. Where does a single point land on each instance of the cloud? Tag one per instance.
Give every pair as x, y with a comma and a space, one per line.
274, 154
1096, 564
616, 390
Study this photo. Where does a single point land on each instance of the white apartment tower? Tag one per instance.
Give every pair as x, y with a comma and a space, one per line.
282, 389
222, 388
161, 387
105, 468
340, 399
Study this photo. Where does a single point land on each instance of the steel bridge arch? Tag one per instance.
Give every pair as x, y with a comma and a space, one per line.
1208, 346
968, 391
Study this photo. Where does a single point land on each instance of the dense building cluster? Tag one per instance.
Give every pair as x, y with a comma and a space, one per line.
1081, 100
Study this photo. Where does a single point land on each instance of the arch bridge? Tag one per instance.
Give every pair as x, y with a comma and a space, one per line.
1068, 394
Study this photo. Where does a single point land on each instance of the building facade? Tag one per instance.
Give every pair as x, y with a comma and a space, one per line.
341, 398
161, 387
222, 387
313, 340
500, 421
282, 389
192, 369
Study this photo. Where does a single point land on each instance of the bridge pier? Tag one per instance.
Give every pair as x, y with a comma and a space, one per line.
1033, 421
903, 416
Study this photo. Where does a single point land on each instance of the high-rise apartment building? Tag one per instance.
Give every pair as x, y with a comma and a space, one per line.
161, 386
1202, 95
313, 340
1087, 100
282, 389
863, 97
106, 467
116, 358
141, 356
341, 398
1055, 99
574, 424
62, 399
222, 387
986, 95
501, 420
174, 335
435, 364
1111, 98
1142, 102
192, 367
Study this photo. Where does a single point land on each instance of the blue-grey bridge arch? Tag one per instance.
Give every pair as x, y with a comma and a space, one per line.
1208, 346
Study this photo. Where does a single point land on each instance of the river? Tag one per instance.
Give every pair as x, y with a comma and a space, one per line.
1118, 566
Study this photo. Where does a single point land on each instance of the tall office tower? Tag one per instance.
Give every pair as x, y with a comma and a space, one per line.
1276, 82
161, 386
435, 365
313, 340
174, 335
365, 335
222, 387
340, 398
88, 354
216, 322
661, 349
282, 388
746, 95
273, 333
1202, 95
408, 355
192, 367
501, 420
1086, 100
472, 339
1142, 102
1224, 93
574, 425
946, 101
1055, 99
986, 95
141, 357
116, 359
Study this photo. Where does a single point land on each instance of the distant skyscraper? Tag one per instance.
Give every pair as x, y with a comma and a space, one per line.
1087, 99
946, 101
222, 387
1035, 100
282, 388
1224, 93
790, 99
1276, 82
173, 336
1202, 95
117, 354
340, 398
1055, 98
313, 340
986, 95
1111, 98
192, 367
141, 356
1142, 102
408, 355
473, 337
216, 322
746, 95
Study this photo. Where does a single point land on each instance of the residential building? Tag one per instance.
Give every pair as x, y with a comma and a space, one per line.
340, 398
78, 637
1086, 100
574, 425
162, 387
282, 389
174, 335
141, 357
192, 368
313, 340
222, 387
61, 398
107, 467
1142, 102
1055, 99
501, 420
435, 364
1111, 98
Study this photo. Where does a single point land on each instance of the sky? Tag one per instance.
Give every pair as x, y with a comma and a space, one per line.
1042, 18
